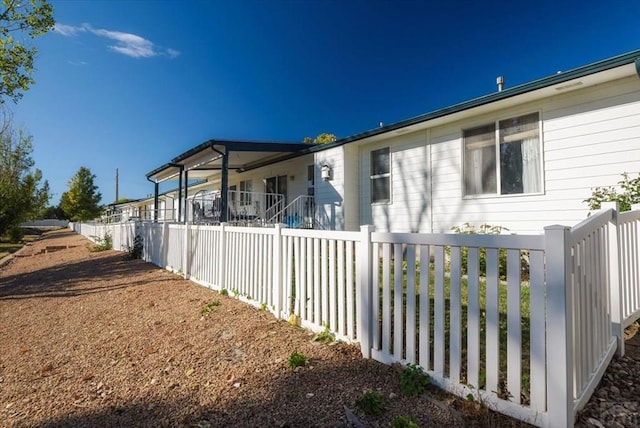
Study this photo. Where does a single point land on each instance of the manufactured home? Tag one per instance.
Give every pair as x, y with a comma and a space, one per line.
521, 158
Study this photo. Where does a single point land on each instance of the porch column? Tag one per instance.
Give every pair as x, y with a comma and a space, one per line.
224, 202
155, 201
186, 190
180, 196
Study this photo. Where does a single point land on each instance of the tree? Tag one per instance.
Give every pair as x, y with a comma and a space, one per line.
323, 138
81, 201
23, 195
20, 18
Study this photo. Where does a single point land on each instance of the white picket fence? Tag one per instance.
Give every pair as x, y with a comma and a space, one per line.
534, 348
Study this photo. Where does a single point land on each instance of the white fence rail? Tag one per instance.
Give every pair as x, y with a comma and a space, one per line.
525, 324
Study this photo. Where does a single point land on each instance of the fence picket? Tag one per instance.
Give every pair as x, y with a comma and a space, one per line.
492, 362
398, 307
410, 320
425, 308
455, 314
439, 312
514, 323
473, 318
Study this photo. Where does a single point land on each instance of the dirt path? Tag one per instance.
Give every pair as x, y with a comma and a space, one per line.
90, 339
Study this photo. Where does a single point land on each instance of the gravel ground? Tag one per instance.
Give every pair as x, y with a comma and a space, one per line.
91, 339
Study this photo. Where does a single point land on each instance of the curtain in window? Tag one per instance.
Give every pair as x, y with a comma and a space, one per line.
480, 160
531, 166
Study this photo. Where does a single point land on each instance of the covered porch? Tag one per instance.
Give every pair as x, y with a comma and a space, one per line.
242, 183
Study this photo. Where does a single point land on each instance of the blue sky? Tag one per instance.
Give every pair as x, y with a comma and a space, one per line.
132, 84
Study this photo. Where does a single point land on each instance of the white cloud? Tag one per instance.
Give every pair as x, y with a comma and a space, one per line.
66, 30
125, 43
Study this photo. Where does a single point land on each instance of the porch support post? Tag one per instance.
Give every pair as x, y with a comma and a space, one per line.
186, 191
155, 201
180, 195
224, 196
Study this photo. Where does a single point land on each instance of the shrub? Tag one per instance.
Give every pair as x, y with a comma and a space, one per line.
404, 422
627, 195
15, 233
296, 359
209, 307
103, 244
135, 252
486, 229
413, 381
325, 336
372, 403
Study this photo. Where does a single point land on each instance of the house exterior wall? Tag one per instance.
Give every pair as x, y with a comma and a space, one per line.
410, 208
351, 174
330, 201
295, 170
589, 138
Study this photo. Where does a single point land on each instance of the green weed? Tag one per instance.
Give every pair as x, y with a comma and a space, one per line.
296, 359
372, 403
413, 381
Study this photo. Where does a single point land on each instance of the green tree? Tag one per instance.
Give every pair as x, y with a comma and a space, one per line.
323, 138
81, 201
20, 20
23, 194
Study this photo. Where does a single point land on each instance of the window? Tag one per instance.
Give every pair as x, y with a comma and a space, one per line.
503, 158
245, 192
380, 176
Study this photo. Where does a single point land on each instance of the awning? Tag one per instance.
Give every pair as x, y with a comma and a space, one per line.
201, 160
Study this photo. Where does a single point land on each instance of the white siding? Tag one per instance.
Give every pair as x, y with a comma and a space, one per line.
410, 208
330, 202
590, 136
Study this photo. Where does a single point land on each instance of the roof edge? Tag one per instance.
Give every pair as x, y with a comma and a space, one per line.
582, 71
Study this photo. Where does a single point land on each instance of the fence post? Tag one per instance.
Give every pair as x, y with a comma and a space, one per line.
186, 251
615, 285
164, 242
277, 269
364, 265
559, 326
222, 256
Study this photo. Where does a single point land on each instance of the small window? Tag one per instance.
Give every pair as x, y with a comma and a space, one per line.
245, 192
503, 158
380, 176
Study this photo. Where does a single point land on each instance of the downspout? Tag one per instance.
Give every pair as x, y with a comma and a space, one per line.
224, 184
155, 199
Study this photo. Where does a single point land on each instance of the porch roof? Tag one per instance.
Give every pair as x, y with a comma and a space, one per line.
242, 155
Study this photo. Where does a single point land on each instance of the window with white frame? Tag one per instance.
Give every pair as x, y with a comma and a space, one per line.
245, 192
503, 158
380, 176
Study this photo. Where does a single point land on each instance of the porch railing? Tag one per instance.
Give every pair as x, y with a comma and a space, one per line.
298, 214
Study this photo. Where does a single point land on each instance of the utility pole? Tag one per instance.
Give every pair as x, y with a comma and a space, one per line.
116, 184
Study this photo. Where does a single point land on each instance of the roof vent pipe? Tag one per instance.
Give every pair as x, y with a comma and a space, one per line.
500, 83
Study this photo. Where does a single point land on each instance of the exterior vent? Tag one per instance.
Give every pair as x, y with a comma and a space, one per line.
568, 86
